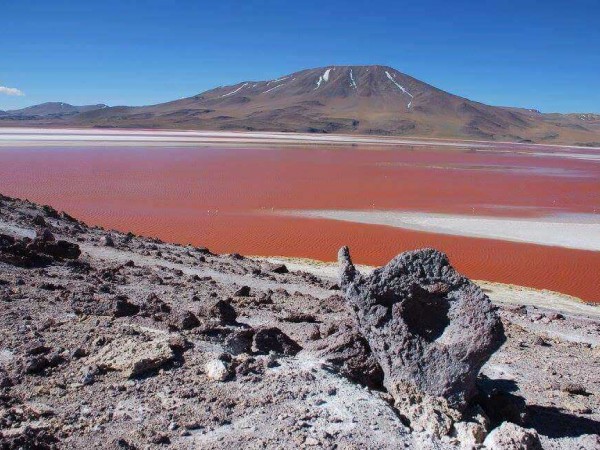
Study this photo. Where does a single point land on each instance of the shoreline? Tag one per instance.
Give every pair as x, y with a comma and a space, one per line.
32, 136
499, 293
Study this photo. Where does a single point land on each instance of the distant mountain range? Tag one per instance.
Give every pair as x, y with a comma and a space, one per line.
334, 99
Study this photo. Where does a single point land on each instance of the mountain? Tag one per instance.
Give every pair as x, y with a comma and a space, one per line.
50, 109
344, 99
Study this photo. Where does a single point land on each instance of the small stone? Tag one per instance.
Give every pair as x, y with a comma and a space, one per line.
244, 291
574, 389
36, 364
39, 221
280, 268
122, 307
238, 342
311, 441
216, 370
131, 357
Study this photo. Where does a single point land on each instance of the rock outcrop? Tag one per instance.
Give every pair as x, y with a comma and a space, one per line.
430, 329
509, 436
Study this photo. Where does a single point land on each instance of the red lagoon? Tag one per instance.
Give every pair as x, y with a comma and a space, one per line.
225, 199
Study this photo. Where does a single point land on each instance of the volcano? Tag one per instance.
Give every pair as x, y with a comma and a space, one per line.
338, 99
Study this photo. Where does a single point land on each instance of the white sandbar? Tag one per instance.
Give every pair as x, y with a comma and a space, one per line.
576, 231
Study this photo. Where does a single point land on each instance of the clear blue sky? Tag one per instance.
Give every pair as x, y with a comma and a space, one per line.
539, 54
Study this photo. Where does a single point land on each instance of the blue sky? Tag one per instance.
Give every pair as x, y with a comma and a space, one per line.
543, 55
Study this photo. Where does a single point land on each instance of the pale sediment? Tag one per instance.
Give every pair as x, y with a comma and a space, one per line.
575, 231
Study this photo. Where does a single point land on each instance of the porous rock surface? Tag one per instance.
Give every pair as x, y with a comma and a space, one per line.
429, 327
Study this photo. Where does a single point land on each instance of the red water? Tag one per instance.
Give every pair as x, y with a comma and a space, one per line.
223, 198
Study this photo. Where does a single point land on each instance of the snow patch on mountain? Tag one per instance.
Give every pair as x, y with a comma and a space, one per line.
352, 82
237, 90
322, 78
391, 78
273, 88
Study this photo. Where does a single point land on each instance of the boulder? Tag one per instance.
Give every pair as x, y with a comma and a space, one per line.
348, 352
429, 328
509, 436
131, 357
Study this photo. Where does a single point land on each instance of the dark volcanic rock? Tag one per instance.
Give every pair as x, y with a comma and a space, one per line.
274, 340
223, 313
350, 355
240, 341
122, 307
154, 306
16, 252
429, 328
184, 320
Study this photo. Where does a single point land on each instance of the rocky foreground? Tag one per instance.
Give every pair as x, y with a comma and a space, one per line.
111, 340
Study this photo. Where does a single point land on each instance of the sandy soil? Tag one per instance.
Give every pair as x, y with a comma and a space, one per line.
577, 231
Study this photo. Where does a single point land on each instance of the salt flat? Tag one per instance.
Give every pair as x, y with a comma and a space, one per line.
15, 136
576, 231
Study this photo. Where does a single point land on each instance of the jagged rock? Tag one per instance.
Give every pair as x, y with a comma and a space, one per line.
240, 341
154, 306
223, 313
39, 221
428, 327
14, 251
184, 320
350, 355
27, 437
122, 307
274, 340
509, 436
280, 268
244, 291
58, 249
131, 357
36, 364
44, 235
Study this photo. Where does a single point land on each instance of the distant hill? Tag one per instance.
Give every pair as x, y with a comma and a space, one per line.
51, 109
334, 99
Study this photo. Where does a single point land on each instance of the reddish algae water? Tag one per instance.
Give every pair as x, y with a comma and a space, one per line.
225, 199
